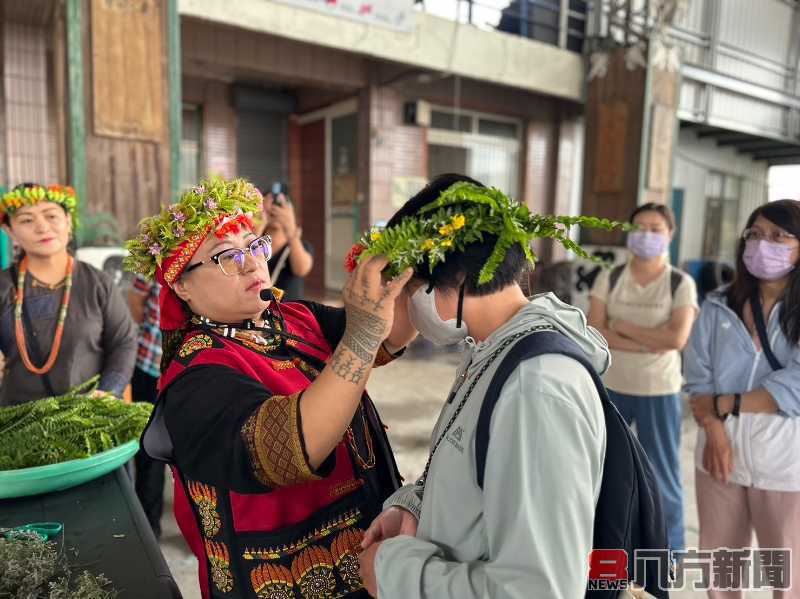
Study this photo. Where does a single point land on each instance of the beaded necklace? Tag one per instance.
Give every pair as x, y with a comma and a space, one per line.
20, 329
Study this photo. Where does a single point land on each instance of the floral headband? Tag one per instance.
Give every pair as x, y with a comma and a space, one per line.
168, 240
63, 195
461, 216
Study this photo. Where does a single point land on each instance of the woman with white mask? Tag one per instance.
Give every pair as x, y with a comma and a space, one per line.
743, 373
645, 309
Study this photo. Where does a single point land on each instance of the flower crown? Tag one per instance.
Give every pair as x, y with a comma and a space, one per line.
461, 216
215, 204
62, 195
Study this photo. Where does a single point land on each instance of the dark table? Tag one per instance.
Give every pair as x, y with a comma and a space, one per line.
104, 521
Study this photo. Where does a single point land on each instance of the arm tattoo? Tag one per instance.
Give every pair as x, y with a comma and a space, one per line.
348, 367
363, 334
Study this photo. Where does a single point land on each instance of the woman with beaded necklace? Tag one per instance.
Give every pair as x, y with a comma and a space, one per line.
61, 320
279, 457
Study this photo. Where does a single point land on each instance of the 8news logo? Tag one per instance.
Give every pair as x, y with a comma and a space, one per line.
721, 569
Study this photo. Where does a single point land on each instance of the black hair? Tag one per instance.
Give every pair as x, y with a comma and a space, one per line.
786, 215
662, 209
463, 267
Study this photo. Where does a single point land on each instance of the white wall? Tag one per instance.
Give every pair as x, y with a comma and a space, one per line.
694, 158
784, 182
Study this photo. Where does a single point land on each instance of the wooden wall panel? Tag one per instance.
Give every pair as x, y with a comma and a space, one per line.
614, 121
128, 178
128, 68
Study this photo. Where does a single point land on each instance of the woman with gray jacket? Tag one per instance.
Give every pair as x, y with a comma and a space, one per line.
742, 368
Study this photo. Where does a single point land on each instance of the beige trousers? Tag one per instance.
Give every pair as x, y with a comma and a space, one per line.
730, 513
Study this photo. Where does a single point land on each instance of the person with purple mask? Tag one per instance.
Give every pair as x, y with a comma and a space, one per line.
645, 309
742, 369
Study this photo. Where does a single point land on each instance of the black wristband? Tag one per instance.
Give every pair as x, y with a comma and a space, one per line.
716, 408
737, 404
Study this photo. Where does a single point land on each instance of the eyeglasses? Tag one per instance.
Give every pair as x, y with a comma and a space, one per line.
232, 261
776, 237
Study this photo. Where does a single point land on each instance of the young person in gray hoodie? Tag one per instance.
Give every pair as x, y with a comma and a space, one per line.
527, 532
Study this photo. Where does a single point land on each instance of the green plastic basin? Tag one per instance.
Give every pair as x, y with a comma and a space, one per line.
56, 477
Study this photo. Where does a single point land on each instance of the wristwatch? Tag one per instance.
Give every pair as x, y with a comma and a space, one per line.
737, 404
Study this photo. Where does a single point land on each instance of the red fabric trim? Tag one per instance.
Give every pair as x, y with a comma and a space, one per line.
187, 523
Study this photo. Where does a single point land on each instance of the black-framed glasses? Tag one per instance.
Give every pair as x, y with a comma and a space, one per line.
777, 236
233, 260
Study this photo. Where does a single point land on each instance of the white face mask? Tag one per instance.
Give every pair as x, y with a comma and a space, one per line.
424, 317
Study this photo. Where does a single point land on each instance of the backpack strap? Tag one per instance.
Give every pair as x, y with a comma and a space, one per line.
530, 346
613, 277
675, 280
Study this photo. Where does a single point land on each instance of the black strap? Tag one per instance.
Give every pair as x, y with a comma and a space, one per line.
675, 279
613, 277
530, 346
32, 341
758, 318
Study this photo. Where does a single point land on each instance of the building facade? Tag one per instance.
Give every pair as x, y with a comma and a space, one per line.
356, 104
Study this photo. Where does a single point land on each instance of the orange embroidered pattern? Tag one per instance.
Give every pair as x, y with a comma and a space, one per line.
195, 344
272, 581
220, 561
345, 487
185, 253
305, 367
205, 498
281, 365
345, 549
346, 520
313, 571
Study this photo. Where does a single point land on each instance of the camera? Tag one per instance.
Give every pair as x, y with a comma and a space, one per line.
279, 188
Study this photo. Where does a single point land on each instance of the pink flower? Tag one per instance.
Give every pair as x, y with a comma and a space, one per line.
155, 249
210, 204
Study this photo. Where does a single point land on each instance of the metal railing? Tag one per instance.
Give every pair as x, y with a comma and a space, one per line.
560, 23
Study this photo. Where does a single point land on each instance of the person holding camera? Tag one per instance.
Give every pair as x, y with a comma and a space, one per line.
292, 257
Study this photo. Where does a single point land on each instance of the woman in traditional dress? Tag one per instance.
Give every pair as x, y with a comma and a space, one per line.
280, 458
61, 320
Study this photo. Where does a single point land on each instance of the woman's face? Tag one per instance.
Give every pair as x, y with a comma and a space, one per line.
221, 297
651, 221
42, 230
763, 228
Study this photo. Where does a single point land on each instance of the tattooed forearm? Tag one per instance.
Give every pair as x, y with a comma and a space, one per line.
347, 366
364, 333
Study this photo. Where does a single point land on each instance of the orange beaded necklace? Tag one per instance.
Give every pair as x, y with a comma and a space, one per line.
20, 330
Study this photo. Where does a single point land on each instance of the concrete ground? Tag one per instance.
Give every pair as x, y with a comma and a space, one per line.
410, 412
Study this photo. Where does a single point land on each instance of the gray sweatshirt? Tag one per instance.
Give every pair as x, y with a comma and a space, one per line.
528, 533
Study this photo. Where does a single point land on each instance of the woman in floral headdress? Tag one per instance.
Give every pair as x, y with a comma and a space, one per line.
279, 457
61, 321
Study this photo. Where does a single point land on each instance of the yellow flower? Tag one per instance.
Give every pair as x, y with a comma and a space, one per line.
375, 235
446, 243
427, 245
446, 230
459, 220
